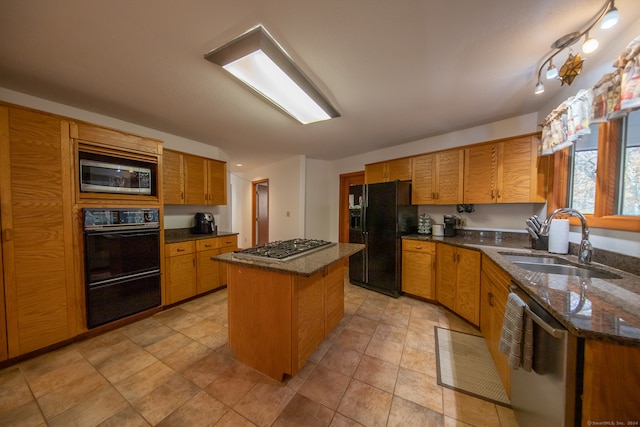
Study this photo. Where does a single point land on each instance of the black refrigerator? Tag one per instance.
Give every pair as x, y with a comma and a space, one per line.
384, 215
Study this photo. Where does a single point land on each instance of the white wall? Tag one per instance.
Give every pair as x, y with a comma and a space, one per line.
317, 205
286, 199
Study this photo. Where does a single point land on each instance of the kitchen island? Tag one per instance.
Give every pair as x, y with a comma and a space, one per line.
280, 311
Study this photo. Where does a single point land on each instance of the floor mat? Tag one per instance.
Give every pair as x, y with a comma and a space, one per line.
464, 364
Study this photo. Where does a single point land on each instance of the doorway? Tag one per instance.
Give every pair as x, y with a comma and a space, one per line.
260, 211
347, 179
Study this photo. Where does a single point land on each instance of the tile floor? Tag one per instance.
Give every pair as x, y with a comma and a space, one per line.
377, 368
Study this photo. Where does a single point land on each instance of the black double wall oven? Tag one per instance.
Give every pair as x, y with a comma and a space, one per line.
122, 263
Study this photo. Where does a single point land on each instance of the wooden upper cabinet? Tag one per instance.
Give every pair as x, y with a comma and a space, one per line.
437, 178
205, 181
39, 256
506, 171
391, 170
172, 177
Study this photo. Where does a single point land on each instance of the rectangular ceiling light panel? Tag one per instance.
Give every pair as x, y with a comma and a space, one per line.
255, 59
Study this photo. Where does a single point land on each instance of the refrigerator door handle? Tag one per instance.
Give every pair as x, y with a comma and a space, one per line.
365, 239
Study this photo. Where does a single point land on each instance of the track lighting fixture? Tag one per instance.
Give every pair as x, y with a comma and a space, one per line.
607, 16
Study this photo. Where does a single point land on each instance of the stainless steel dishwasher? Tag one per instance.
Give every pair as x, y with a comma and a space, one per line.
546, 396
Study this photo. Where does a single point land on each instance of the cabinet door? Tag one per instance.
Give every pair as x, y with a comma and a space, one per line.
3, 322
208, 271
468, 284
423, 190
517, 171
480, 173
172, 178
446, 276
449, 167
37, 230
195, 180
217, 182
418, 268
376, 172
181, 277
399, 169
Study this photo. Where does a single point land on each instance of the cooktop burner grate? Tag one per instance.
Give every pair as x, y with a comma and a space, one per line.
284, 250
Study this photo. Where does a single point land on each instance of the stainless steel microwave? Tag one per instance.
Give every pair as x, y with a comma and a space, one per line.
103, 177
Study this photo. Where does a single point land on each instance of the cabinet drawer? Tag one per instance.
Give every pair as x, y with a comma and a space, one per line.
206, 244
228, 241
500, 278
418, 246
180, 248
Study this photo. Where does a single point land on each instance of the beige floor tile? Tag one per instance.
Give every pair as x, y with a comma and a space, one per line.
48, 362
382, 349
165, 399
208, 333
426, 312
352, 339
98, 349
140, 327
183, 358
366, 404
350, 308
421, 339
370, 312
145, 381
377, 373
14, 390
233, 419
452, 422
302, 411
177, 318
264, 402
168, 345
201, 410
60, 376
298, 379
319, 352
325, 386
392, 333
419, 388
236, 381
507, 417
207, 369
125, 364
362, 325
92, 411
27, 415
342, 360
128, 417
419, 361
151, 336
82, 386
468, 409
405, 413
342, 421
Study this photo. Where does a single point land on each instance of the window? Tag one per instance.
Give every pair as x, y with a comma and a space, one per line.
584, 164
630, 176
600, 175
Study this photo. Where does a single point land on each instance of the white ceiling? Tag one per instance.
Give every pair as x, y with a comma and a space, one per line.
397, 70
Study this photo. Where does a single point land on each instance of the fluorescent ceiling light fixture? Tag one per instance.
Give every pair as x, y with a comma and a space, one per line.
258, 61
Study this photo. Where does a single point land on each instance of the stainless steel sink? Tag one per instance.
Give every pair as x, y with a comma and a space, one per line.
554, 265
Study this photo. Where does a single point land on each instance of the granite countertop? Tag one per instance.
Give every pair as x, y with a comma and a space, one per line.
305, 265
175, 235
592, 308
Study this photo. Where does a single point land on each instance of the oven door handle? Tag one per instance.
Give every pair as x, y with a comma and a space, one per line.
122, 233
125, 278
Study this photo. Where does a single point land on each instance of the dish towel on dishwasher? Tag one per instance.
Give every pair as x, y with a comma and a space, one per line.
516, 336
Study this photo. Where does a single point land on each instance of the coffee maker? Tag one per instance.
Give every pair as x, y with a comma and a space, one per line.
450, 224
204, 223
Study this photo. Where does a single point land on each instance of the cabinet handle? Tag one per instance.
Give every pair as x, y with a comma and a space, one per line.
194, 262
437, 195
8, 235
418, 247
182, 195
454, 258
490, 299
180, 250
433, 196
499, 195
493, 193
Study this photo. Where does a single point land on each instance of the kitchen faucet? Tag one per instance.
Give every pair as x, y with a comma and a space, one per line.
584, 255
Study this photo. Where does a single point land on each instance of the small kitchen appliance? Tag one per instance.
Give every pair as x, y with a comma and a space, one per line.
204, 223
450, 223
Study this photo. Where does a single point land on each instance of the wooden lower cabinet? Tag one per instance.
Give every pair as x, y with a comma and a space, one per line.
458, 280
277, 320
418, 268
180, 271
493, 300
189, 269
610, 384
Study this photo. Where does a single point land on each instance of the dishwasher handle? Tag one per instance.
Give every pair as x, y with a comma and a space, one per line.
554, 332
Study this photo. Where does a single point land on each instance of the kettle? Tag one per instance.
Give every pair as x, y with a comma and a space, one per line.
204, 223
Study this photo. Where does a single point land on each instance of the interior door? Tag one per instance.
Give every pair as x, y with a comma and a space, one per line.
261, 212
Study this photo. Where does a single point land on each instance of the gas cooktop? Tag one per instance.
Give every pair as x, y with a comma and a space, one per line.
283, 250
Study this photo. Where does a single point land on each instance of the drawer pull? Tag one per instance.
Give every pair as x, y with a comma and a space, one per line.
180, 250
207, 245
